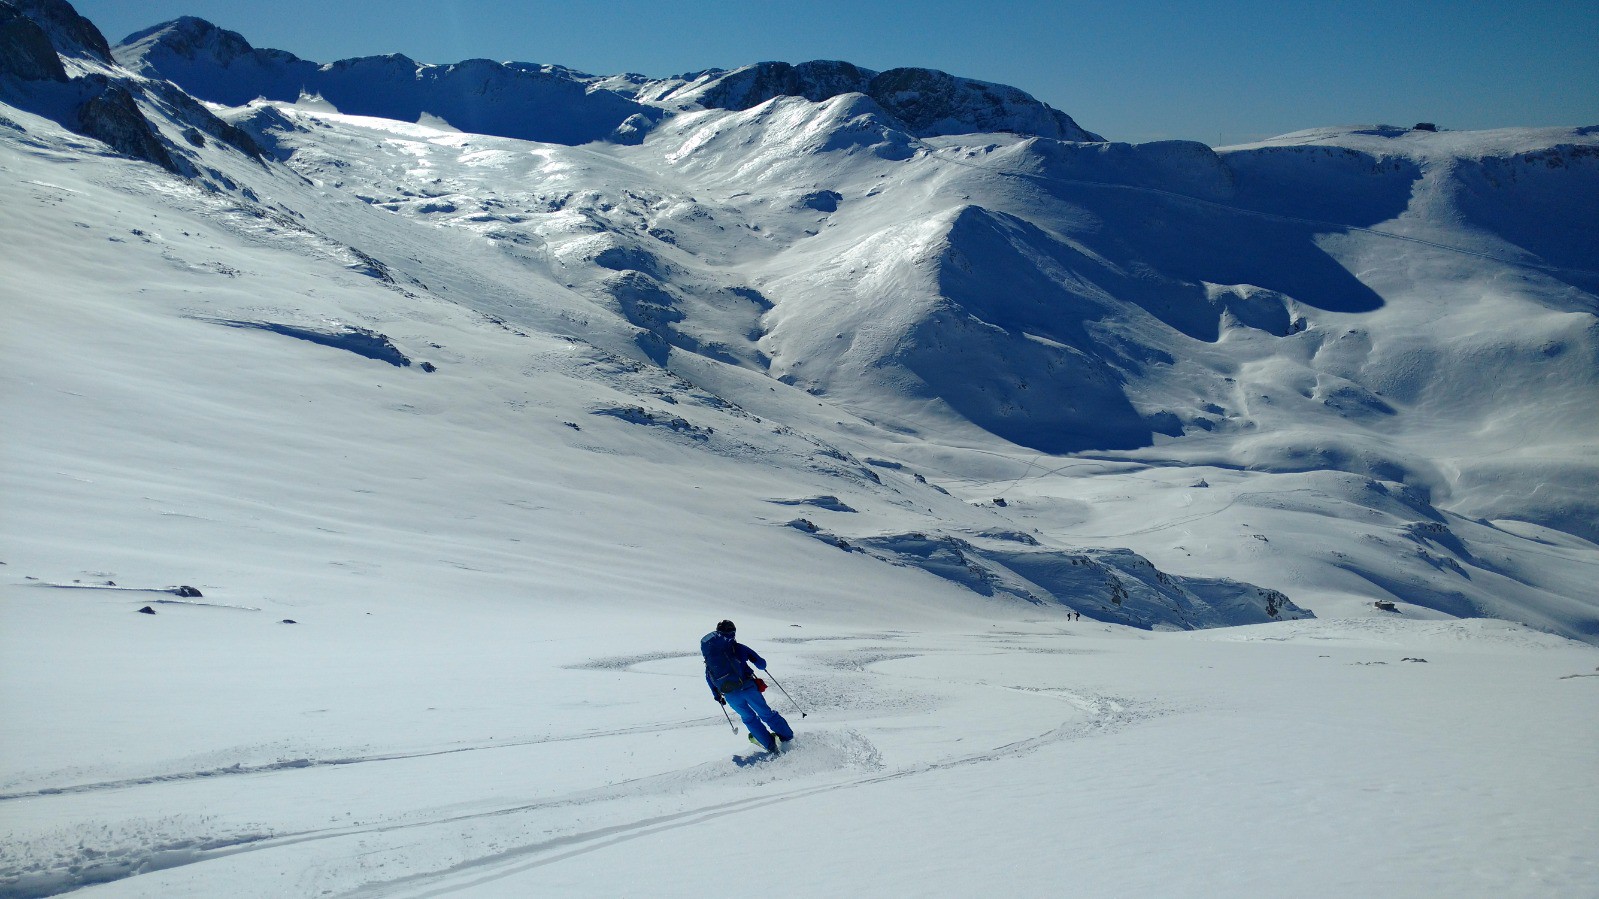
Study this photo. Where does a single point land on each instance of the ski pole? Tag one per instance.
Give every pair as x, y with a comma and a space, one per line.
730, 717
791, 701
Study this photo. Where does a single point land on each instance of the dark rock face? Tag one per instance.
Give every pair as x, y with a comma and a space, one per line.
815, 81
111, 116
71, 33
36, 34
25, 50
34, 37
935, 103
822, 200
644, 301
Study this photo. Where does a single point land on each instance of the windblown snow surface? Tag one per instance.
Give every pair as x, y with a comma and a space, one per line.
463, 440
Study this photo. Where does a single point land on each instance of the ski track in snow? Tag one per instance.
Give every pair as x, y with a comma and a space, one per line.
297, 764
1106, 715
174, 591
626, 663
817, 753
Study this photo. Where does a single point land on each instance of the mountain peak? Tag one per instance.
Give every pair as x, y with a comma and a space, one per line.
193, 41
928, 101
752, 85
935, 103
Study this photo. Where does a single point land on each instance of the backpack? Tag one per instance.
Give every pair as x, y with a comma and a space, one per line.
723, 667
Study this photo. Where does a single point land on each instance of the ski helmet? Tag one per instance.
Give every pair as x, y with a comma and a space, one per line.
725, 627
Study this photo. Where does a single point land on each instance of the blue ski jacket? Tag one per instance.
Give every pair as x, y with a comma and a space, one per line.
727, 664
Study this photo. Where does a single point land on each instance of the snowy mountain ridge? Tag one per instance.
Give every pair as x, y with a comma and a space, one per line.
511, 100
1162, 304
549, 102
928, 102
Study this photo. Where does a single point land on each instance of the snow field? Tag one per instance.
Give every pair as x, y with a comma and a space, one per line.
1306, 754
466, 440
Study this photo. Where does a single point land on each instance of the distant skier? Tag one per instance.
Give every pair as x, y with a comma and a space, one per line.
727, 671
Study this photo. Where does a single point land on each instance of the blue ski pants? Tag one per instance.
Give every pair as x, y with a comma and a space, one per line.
757, 715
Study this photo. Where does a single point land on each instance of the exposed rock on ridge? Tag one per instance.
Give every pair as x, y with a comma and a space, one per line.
25, 50
68, 31
113, 117
929, 102
36, 35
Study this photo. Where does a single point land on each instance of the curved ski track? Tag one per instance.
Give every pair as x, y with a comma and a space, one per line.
1104, 715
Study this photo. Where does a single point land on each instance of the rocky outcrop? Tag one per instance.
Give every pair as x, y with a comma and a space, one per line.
70, 33
814, 81
111, 115
37, 35
25, 49
34, 36
935, 103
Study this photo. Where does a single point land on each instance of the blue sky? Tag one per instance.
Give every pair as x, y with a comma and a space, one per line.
1218, 72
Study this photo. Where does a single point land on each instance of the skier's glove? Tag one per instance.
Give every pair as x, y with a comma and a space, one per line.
722, 700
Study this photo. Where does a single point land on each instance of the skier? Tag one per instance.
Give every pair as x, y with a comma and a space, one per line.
727, 671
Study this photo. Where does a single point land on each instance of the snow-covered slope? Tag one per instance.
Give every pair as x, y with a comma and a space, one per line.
1316, 307
502, 426
636, 283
